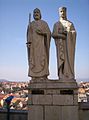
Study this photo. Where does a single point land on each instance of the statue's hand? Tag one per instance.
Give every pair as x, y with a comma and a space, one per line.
65, 33
40, 32
59, 36
63, 36
28, 44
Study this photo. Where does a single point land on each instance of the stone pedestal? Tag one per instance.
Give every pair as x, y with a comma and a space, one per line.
53, 100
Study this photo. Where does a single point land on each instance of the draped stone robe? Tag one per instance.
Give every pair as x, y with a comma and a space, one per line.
38, 52
65, 49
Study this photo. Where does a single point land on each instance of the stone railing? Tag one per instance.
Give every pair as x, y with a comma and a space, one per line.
84, 111
14, 114
22, 114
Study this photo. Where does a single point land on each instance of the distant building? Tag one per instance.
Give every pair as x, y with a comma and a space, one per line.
82, 97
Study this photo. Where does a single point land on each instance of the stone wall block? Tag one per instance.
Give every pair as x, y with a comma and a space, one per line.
53, 113
62, 99
42, 99
35, 113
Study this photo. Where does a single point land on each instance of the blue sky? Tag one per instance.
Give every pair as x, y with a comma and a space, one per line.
13, 25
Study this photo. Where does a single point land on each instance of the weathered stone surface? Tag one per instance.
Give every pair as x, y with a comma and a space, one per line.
52, 91
84, 114
42, 99
64, 35
83, 105
75, 99
76, 91
70, 113
14, 114
29, 99
38, 52
35, 113
37, 85
62, 99
22, 114
53, 113
54, 84
55, 96
61, 85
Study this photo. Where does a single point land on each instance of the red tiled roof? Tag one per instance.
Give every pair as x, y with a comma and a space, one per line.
2, 96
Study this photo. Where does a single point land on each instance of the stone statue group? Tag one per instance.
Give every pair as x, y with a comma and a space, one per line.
38, 44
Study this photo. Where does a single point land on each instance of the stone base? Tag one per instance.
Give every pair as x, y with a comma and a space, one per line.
53, 113
53, 100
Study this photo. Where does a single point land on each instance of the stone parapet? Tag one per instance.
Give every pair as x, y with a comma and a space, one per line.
55, 110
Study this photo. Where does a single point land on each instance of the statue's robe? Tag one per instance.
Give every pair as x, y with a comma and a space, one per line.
65, 49
38, 53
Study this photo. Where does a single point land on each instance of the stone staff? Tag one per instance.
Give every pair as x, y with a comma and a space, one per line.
28, 43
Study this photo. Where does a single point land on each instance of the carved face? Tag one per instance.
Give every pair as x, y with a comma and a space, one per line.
37, 14
62, 13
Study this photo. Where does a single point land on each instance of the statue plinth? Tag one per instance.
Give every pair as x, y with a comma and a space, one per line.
53, 100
